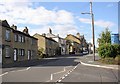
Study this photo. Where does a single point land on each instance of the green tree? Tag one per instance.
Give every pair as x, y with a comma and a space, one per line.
40, 52
105, 37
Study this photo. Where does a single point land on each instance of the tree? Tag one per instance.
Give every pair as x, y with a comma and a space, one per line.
105, 37
40, 52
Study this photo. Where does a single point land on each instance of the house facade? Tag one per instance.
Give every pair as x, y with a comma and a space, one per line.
17, 45
73, 44
61, 42
49, 46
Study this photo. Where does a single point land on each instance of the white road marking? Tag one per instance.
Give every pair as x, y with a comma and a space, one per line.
28, 68
51, 77
66, 75
63, 77
21, 70
98, 66
4, 74
59, 80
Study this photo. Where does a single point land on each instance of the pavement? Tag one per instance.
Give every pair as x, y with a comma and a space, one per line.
88, 60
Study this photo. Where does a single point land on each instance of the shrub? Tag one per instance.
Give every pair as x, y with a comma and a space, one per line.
40, 53
106, 50
117, 49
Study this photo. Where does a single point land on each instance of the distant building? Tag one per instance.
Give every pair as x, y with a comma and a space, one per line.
49, 46
16, 45
76, 44
61, 42
115, 39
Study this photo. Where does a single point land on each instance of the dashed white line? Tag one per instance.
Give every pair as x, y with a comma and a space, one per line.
67, 73
59, 80
51, 77
4, 73
63, 77
28, 68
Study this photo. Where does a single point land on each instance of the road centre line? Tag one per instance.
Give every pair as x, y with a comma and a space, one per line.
51, 77
28, 68
4, 74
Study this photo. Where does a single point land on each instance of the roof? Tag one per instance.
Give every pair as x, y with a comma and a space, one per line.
51, 35
45, 37
74, 36
5, 24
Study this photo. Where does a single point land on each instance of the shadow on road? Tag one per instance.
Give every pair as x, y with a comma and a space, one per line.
67, 60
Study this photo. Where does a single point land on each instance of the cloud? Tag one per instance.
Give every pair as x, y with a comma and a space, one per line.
60, 29
24, 13
60, 21
100, 23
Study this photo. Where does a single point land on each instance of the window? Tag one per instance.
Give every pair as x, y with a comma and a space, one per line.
7, 52
16, 37
7, 35
21, 52
33, 41
21, 38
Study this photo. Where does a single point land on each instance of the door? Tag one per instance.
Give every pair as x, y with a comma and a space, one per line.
28, 54
15, 54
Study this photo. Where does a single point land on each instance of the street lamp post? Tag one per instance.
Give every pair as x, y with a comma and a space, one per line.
92, 16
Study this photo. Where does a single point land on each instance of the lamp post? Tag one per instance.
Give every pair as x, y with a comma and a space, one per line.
92, 16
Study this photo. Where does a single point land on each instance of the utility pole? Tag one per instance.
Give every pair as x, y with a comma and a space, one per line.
93, 36
92, 23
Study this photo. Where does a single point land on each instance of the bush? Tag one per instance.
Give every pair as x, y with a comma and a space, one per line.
40, 53
117, 49
106, 50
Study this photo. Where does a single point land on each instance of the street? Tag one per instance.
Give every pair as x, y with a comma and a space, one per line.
61, 69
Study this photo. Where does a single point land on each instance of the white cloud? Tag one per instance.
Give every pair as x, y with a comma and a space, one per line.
100, 23
60, 29
21, 12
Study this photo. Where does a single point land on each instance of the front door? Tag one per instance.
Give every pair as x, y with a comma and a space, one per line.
28, 54
15, 54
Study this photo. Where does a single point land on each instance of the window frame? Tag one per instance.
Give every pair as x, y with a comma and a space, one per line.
7, 52
15, 37
7, 35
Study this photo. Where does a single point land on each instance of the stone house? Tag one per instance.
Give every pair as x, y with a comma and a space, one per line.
49, 46
61, 41
75, 44
16, 45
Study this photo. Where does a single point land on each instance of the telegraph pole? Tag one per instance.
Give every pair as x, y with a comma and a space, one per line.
92, 23
93, 36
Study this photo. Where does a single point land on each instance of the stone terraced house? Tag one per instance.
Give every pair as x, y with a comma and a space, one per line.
16, 45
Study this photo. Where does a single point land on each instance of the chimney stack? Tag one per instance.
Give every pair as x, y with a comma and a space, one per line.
50, 31
14, 27
78, 35
26, 30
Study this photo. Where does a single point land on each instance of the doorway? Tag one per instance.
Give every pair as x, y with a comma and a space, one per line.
15, 54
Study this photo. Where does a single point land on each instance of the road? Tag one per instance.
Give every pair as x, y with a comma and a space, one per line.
61, 69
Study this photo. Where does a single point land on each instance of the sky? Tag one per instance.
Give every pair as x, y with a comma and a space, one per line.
62, 17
